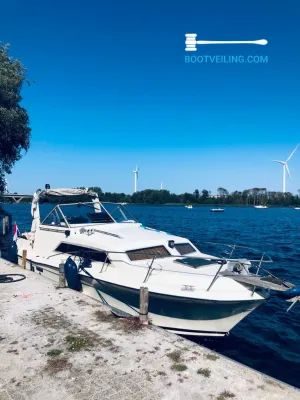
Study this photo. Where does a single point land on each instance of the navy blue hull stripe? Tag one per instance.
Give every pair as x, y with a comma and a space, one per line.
192, 331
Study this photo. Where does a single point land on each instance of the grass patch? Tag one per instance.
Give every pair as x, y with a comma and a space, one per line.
77, 343
211, 357
48, 318
103, 316
54, 352
131, 324
55, 365
179, 367
175, 356
128, 324
204, 371
225, 395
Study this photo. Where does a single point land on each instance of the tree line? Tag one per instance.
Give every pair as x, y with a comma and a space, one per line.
248, 197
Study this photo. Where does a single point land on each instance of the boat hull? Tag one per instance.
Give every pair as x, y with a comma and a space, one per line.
182, 315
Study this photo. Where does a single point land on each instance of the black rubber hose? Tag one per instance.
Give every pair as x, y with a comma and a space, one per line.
8, 278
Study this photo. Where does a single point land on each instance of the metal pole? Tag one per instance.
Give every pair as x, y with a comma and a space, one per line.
259, 265
144, 302
232, 251
149, 270
215, 277
61, 276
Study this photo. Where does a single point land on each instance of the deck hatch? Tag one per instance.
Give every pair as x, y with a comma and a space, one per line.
194, 262
148, 253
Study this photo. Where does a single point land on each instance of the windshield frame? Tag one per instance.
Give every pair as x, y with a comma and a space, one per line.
122, 210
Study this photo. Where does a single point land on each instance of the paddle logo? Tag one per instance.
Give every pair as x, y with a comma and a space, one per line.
191, 44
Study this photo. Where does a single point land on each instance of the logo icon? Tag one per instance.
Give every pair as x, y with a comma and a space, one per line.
191, 42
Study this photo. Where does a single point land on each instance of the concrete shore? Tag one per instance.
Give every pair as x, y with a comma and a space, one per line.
58, 344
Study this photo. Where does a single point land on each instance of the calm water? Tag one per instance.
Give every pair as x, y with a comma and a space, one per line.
267, 340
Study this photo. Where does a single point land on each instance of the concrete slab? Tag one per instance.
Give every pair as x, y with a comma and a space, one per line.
59, 344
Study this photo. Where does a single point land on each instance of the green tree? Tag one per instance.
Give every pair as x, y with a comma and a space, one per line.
14, 121
205, 194
222, 192
196, 194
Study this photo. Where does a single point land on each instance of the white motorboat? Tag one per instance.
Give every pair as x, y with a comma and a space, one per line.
217, 209
260, 206
189, 206
109, 256
297, 208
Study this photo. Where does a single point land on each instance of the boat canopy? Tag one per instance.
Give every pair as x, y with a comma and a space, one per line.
56, 196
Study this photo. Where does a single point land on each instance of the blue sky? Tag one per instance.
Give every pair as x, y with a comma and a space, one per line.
113, 90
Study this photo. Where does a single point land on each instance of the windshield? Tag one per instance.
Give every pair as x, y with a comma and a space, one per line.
85, 213
88, 213
119, 212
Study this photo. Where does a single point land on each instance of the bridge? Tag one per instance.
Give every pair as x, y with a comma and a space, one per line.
17, 197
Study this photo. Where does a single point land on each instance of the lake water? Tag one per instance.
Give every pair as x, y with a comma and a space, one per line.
268, 339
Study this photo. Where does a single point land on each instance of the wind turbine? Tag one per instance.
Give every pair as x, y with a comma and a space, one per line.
286, 168
136, 174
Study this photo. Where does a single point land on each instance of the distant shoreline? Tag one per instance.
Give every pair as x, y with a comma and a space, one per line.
208, 205
171, 204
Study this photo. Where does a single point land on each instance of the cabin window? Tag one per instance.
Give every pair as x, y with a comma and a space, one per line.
148, 253
184, 248
75, 250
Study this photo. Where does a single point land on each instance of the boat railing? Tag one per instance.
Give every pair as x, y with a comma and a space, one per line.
153, 264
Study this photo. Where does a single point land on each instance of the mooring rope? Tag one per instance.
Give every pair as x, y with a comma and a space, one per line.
8, 278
